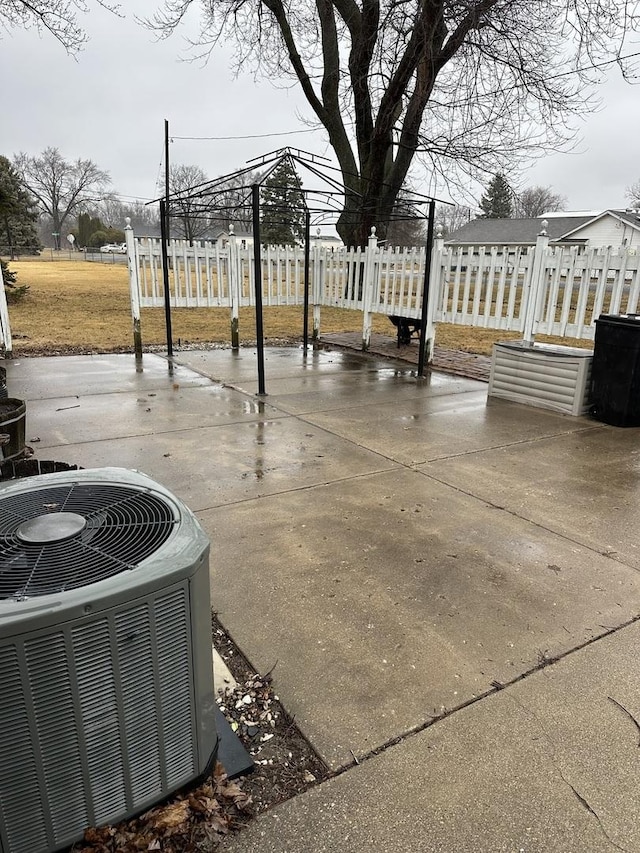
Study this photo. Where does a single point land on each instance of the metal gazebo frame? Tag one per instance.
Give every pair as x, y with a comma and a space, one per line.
320, 206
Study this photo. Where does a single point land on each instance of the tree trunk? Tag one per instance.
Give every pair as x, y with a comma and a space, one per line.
362, 213
56, 225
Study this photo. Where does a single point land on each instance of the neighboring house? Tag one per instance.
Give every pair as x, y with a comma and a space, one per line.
244, 239
597, 228
610, 228
327, 241
144, 232
213, 235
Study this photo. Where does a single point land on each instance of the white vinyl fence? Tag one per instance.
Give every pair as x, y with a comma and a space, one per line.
531, 290
538, 289
5, 329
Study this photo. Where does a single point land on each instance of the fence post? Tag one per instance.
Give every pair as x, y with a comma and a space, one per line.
369, 286
234, 287
318, 282
435, 280
134, 288
5, 328
532, 297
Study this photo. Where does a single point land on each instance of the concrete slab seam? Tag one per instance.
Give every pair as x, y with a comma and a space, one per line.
393, 467
509, 444
497, 688
514, 514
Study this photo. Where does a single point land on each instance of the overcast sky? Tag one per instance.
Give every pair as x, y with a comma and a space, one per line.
110, 103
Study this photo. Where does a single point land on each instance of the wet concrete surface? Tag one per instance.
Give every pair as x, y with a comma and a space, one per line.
548, 765
391, 598
116, 415
401, 549
44, 378
584, 485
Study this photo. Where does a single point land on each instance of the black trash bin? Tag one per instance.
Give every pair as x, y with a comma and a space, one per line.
12, 427
615, 374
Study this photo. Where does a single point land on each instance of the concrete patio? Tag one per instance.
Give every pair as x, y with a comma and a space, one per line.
449, 587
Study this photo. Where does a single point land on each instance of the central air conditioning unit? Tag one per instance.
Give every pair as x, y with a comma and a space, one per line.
106, 690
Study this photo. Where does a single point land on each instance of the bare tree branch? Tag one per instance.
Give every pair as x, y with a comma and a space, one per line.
57, 17
477, 86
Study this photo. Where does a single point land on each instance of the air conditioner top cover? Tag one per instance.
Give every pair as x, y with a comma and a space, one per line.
73, 542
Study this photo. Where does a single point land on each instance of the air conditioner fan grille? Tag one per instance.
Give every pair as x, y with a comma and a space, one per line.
123, 526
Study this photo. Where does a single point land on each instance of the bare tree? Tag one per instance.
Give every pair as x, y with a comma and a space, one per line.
633, 194
233, 201
450, 217
61, 188
185, 211
406, 232
470, 82
113, 212
57, 17
534, 201
143, 216
408, 223
220, 203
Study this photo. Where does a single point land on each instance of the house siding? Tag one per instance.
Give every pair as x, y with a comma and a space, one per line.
608, 231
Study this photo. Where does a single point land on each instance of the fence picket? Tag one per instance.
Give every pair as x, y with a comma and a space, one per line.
618, 287
601, 291
521, 258
477, 287
502, 281
455, 302
634, 287
583, 292
554, 271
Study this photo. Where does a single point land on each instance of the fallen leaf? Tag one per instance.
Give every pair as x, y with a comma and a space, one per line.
171, 816
98, 835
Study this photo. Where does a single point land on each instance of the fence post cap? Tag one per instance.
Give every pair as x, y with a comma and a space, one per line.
127, 221
545, 224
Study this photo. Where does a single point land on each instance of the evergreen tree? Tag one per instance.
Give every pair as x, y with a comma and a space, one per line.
87, 226
496, 202
91, 232
13, 292
18, 215
283, 206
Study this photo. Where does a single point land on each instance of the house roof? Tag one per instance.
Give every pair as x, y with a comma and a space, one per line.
517, 231
219, 233
629, 217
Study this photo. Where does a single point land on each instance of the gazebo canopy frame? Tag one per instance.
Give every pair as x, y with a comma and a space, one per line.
322, 205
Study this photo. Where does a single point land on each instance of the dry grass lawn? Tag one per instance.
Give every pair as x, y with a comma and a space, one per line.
78, 306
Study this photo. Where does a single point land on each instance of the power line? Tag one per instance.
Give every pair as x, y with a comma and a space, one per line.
593, 65
251, 136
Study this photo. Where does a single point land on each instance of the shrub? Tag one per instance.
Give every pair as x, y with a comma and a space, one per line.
13, 292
